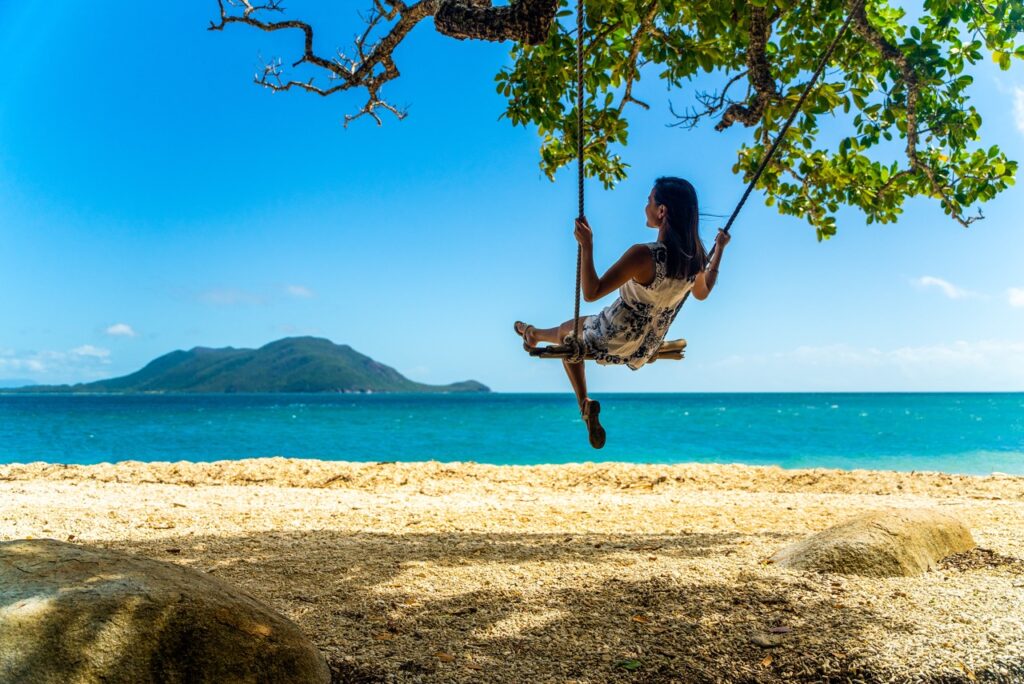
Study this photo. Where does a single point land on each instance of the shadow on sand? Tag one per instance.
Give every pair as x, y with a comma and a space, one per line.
462, 606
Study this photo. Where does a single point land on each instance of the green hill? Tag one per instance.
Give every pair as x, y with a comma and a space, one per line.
294, 364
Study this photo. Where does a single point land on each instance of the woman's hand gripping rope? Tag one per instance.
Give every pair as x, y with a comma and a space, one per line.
584, 234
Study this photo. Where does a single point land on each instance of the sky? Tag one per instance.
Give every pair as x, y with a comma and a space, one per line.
153, 198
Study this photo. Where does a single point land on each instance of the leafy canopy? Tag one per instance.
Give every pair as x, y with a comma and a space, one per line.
899, 91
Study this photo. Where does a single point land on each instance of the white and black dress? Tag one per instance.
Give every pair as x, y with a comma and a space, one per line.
632, 328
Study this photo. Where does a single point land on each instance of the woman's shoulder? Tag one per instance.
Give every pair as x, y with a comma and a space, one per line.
657, 250
654, 256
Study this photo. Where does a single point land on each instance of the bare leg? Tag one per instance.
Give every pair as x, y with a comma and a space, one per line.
589, 409
576, 371
553, 335
578, 377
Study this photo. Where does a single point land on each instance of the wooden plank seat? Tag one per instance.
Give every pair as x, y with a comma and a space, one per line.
671, 349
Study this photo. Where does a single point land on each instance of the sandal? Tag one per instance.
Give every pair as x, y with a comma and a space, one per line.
591, 411
523, 329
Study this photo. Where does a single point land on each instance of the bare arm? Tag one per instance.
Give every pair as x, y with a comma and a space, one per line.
636, 263
706, 279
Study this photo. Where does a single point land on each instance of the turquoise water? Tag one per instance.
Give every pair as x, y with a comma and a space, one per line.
958, 433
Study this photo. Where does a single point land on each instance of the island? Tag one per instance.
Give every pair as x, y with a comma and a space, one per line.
292, 364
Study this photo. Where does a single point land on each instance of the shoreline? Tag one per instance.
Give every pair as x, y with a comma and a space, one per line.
318, 473
464, 572
45, 468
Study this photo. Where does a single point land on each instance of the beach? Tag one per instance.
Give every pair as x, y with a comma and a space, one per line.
594, 572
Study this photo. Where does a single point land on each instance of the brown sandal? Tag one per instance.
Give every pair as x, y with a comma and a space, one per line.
591, 411
522, 329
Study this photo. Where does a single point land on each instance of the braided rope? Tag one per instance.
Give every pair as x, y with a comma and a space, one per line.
576, 350
579, 160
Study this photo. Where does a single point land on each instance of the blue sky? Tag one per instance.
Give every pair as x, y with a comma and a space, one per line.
152, 198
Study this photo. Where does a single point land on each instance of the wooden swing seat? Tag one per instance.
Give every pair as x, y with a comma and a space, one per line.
671, 349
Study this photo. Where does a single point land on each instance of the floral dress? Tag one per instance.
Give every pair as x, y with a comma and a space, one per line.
632, 328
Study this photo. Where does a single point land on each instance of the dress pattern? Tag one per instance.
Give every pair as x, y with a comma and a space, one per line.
632, 328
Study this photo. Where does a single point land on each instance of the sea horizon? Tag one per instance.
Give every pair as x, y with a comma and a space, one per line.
954, 432
12, 391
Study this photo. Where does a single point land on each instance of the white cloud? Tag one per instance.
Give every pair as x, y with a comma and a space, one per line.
981, 365
82, 364
833, 354
89, 350
121, 330
1018, 107
299, 291
34, 365
1015, 296
948, 288
960, 353
229, 297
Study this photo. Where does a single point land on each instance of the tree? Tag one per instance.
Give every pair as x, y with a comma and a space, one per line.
900, 89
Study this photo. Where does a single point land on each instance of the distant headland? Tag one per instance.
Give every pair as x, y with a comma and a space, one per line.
292, 364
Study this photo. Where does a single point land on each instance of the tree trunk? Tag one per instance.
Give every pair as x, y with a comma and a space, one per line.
524, 21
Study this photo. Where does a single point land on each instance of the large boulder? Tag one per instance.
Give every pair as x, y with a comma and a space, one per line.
887, 543
70, 614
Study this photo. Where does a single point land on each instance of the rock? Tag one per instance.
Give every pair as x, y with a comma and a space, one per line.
888, 543
69, 613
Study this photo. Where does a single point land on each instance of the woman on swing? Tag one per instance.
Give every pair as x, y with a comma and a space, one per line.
653, 280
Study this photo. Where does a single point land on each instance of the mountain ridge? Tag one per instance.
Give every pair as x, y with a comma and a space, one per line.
291, 364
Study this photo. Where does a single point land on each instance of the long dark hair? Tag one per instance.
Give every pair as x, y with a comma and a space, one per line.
686, 254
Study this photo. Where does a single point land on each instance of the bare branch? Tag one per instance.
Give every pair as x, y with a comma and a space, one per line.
372, 64
712, 104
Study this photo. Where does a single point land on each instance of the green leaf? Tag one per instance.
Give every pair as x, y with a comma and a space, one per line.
630, 664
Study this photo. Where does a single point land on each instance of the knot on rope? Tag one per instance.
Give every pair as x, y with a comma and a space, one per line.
575, 348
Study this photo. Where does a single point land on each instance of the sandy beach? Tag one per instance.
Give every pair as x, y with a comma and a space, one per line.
461, 572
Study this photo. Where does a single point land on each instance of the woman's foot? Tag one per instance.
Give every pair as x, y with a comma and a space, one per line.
590, 412
528, 333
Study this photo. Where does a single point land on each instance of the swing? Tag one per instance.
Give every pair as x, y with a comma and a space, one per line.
572, 348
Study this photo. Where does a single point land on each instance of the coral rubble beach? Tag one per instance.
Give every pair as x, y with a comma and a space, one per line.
462, 572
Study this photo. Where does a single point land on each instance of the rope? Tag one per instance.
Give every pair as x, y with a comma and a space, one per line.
792, 115
575, 350
579, 162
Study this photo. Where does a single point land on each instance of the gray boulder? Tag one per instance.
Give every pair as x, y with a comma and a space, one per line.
70, 614
888, 543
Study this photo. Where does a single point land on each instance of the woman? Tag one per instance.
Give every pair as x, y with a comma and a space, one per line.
652, 279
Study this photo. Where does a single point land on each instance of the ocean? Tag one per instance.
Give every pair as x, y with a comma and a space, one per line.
956, 433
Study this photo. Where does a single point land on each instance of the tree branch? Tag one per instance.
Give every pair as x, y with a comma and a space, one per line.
895, 56
759, 72
526, 21
711, 102
631, 69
